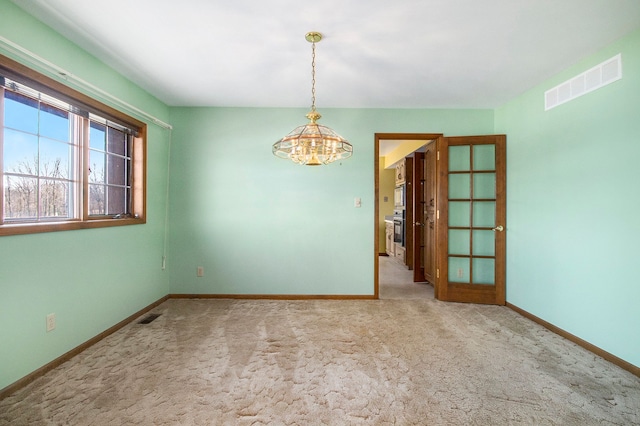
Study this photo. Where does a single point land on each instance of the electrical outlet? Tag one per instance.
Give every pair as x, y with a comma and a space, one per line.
51, 322
200, 271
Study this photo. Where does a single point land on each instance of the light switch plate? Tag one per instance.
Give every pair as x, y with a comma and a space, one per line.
51, 322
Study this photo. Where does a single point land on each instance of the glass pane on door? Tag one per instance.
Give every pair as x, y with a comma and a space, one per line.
459, 270
472, 214
460, 186
484, 271
459, 213
484, 185
459, 158
484, 243
484, 157
484, 214
459, 241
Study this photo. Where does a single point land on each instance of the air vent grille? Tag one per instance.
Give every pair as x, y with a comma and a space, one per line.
602, 74
148, 318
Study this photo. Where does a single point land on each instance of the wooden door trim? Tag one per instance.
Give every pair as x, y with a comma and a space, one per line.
418, 172
501, 216
442, 185
409, 214
376, 215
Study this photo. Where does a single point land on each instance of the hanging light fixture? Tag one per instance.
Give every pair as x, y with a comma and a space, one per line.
313, 144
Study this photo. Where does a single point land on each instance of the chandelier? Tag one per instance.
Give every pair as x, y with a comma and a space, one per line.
313, 144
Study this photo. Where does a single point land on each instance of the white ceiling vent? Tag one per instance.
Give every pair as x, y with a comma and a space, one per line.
590, 80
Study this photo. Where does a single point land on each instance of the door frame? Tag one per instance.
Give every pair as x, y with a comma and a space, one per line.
428, 163
376, 166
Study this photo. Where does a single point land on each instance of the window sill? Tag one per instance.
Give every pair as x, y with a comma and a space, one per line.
36, 228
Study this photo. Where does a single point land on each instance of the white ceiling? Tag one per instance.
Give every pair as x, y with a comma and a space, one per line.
375, 53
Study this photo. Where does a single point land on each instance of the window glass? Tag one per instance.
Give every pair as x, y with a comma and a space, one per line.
109, 172
96, 200
20, 153
54, 199
37, 155
53, 159
116, 202
54, 123
96, 167
117, 170
20, 197
117, 142
20, 112
97, 136
51, 171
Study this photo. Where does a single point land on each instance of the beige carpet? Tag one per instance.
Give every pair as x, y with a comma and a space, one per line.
392, 361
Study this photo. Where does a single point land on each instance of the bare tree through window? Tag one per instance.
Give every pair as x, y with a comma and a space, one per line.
28, 195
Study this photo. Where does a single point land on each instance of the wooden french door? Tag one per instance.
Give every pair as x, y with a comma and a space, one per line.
471, 219
424, 253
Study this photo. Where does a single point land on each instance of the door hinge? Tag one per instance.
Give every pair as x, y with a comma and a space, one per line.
438, 156
437, 214
438, 273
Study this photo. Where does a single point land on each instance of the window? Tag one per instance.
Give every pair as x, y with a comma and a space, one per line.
66, 160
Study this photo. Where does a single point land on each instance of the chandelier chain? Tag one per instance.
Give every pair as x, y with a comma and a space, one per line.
313, 76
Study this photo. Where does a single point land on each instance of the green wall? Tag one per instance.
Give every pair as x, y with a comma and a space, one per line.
259, 225
91, 279
572, 205
262, 225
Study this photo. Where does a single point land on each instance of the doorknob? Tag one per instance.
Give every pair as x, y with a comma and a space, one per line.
418, 224
498, 228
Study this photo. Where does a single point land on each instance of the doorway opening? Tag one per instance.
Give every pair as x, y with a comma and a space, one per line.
450, 199
396, 282
395, 188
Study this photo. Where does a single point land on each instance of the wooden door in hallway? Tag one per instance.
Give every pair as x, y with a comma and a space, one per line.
424, 259
471, 211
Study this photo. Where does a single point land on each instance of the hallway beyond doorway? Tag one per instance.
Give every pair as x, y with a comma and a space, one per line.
396, 282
